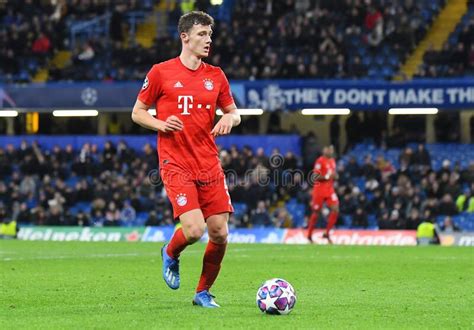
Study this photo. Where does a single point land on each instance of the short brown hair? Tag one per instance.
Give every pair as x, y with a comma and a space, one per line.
188, 20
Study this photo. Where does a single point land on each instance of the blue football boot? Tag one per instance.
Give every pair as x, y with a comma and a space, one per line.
170, 269
205, 299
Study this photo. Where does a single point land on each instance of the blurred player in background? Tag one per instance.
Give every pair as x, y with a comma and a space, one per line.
186, 92
323, 192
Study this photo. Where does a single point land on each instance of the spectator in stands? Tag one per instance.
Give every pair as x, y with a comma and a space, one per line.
356, 69
348, 204
374, 26
360, 218
368, 169
128, 213
448, 225
260, 217
421, 157
427, 233
447, 206
467, 174
385, 167
153, 219
465, 201
85, 54
280, 44
81, 219
414, 219
112, 215
405, 159
51, 197
282, 219
24, 214
445, 168
55, 215
41, 46
452, 186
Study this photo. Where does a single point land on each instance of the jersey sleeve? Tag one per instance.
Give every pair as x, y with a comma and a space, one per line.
225, 96
319, 167
151, 88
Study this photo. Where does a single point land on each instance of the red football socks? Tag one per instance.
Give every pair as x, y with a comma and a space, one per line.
331, 221
177, 244
312, 222
211, 265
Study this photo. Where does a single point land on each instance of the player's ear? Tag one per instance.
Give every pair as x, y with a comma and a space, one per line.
184, 37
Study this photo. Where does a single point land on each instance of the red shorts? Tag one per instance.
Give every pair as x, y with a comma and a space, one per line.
187, 194
319, 198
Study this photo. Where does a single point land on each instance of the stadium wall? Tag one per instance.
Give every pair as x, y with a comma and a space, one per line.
285, 143
243, 235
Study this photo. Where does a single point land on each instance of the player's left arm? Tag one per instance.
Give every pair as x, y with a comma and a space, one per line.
230, 119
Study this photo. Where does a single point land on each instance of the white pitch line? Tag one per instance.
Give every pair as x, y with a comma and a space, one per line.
236, 253
101, 255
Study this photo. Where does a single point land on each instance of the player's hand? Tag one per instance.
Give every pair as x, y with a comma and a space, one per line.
171, 124
224, 125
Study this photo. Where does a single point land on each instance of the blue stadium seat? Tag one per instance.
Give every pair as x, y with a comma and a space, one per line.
84, 207
73, 210
297, 211
141, 218
360, 183
347, 220
239, 209
372, 221
71, 181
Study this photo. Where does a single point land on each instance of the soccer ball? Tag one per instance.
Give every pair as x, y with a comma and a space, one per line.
276, 297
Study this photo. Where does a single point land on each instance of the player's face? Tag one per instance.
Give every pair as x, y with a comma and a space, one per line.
198, 40
329, 151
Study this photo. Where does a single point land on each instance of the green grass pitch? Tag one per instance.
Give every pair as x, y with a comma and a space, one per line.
119, 285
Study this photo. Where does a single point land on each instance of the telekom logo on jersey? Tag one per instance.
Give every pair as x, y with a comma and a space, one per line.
185, 102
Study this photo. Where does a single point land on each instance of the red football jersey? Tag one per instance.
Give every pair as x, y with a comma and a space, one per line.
325, 167
192, 96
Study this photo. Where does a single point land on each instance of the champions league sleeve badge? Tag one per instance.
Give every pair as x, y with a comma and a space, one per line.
145, 83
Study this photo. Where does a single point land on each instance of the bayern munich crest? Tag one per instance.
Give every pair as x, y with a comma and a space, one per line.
181, 199
208, 84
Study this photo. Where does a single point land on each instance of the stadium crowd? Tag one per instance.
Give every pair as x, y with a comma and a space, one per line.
118, 185
263, 39
456, 58
32, 31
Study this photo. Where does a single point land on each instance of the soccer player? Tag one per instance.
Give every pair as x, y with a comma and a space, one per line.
186, 92
323, 192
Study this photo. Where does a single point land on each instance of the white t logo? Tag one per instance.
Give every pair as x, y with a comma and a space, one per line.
186, 105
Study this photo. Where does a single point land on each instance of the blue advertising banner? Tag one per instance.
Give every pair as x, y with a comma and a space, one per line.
359, 95
255, 235
269, 94
157, 234
258, 235
117, 96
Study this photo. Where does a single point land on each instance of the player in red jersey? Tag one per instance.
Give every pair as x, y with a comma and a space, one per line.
186, 92
323, 191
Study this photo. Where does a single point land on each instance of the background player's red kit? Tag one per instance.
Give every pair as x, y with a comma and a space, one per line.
323, 191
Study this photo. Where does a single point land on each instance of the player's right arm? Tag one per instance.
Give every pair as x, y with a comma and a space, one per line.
150, 92
142, 117
319, 170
